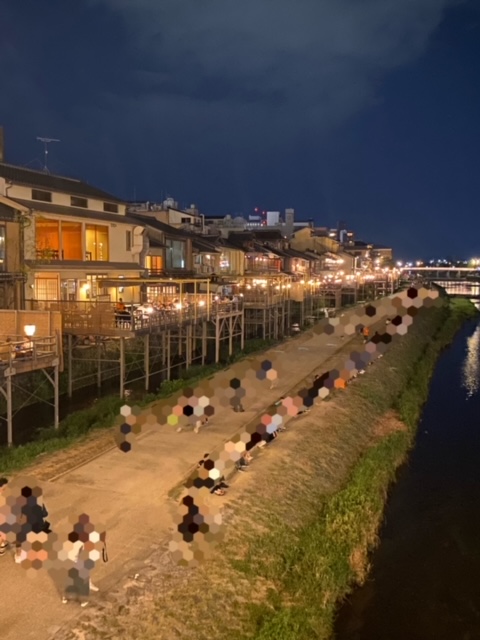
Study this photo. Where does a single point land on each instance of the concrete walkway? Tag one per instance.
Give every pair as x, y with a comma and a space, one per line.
129, 492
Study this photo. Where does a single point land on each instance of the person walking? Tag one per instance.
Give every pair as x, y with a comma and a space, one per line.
31, 516
4, 512
77, 550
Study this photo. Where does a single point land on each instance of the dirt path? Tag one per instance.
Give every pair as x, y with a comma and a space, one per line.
129, 493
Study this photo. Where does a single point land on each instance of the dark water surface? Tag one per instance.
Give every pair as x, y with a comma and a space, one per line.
425, 580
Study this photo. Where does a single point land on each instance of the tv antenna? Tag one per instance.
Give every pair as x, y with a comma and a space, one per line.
46, 142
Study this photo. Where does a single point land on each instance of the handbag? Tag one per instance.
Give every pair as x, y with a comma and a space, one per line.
46, 523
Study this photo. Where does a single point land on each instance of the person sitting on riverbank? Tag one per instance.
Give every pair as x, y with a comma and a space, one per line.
244, 461
202, 461
220, 486
200, 423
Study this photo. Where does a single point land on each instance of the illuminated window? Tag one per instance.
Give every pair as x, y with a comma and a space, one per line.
96, 242
47, 239
46, 288
72, 241
154, 264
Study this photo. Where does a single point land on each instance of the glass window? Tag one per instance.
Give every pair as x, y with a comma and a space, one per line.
96, 242
175, 254
72, 241
111, 208
43, 196
154, 263
128, 240
46, 288
79, 202
47, 239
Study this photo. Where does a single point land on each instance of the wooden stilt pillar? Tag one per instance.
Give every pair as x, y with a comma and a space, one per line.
217, 340
122, 367
230, 335
70, 365
146, 358
188, 345
99, 362
204, 341
56, 396
242, 336
169, 353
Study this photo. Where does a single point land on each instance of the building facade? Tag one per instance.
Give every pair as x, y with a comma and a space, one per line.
74, 235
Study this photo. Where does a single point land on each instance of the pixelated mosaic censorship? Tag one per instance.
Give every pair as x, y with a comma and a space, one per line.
69, 558
199, 522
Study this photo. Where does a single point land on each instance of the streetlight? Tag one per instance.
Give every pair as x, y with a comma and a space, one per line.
30, 330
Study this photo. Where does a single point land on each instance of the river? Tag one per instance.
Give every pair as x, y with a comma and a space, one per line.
425, 577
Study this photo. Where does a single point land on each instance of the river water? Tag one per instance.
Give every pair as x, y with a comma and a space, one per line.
425, 579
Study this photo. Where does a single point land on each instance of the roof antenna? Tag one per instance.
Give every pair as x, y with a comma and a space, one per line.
46, 142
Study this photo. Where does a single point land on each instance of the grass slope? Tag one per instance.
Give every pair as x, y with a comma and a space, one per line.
301, 523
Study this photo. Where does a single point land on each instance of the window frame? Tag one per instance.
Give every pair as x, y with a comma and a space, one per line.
79, 202
110, 207
41, 191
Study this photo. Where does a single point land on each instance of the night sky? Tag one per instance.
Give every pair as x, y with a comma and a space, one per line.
366, 111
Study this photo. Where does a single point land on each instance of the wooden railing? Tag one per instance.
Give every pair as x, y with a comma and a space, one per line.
34, 352
103, 318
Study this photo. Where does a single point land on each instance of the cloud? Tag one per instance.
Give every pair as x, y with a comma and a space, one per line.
322, 57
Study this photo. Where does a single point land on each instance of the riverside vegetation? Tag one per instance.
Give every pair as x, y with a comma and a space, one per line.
103, 412
302, 522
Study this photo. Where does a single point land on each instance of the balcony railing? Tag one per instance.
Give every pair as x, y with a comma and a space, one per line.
102, 318
32, 353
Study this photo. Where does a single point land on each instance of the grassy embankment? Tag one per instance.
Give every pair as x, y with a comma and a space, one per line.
302, 523
102, 414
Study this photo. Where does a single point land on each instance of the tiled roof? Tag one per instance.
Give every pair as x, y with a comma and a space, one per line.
49, 182
88, 214
152, 222
203, 245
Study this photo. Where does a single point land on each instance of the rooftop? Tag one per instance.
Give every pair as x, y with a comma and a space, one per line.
50, 182
88, 214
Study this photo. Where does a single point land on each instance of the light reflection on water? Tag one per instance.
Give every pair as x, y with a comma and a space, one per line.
471, 364
461, 288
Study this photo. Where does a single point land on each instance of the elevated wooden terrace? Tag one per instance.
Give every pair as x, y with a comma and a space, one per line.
100, 318
25, 354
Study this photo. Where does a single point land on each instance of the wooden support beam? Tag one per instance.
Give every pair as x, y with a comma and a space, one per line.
146, 358
122, 367
70, 364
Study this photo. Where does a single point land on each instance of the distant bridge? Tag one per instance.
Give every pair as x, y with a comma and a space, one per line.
445, 273
475, 270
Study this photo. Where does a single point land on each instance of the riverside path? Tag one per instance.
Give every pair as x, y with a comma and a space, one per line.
129, 493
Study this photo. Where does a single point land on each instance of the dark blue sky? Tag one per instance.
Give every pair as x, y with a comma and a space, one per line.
365, 111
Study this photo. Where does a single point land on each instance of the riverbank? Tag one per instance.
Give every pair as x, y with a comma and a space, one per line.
422, 584
130, 493
80, 430
302, 522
